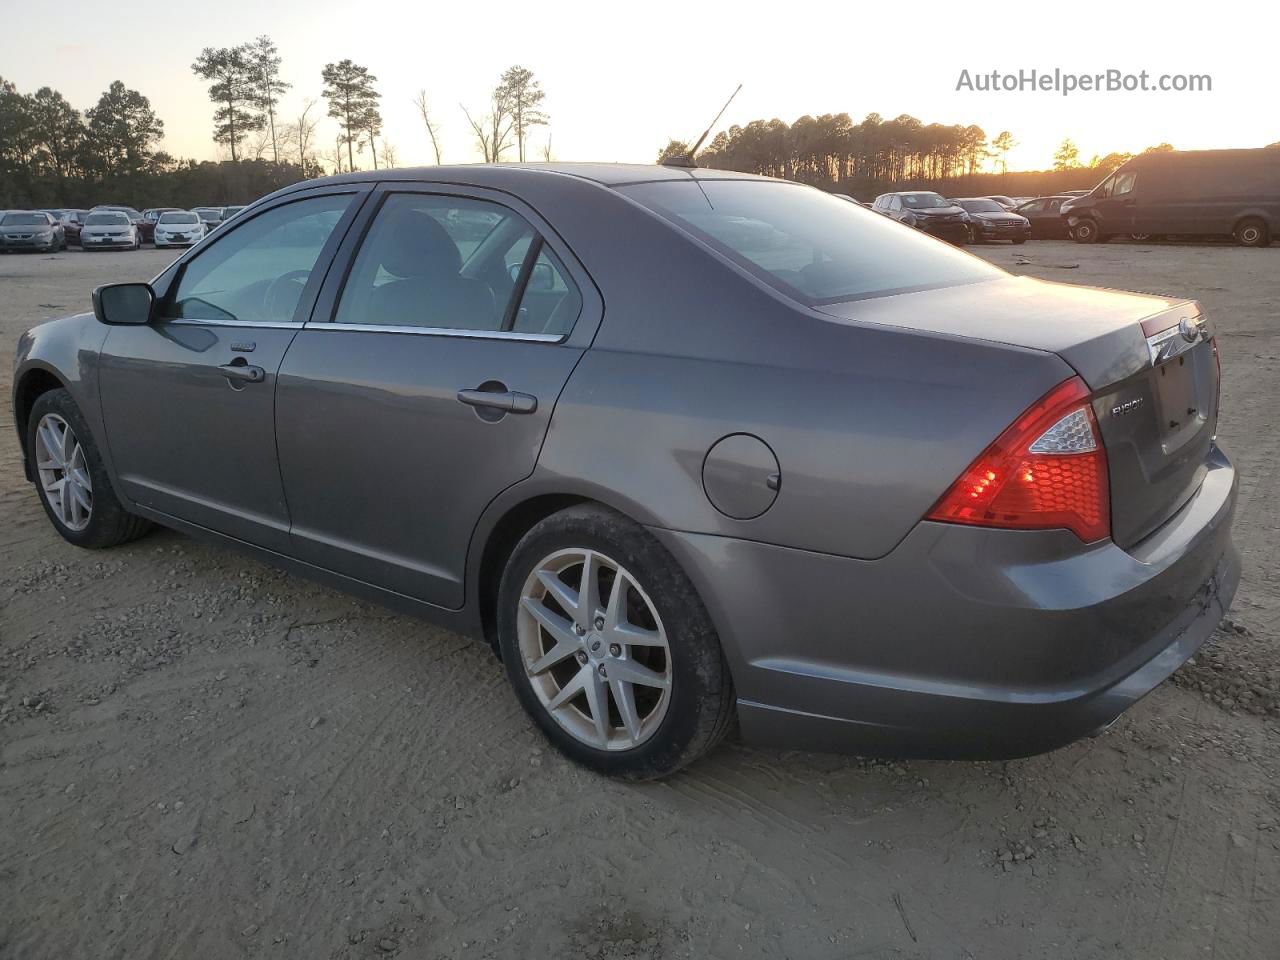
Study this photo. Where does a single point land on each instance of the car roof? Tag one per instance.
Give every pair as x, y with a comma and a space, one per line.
607, 174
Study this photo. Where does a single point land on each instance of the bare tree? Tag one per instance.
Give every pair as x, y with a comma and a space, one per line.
546, 150
388, 153
481, 132
305, 132
420, 101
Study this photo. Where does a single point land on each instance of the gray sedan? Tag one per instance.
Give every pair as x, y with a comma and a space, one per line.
687, 448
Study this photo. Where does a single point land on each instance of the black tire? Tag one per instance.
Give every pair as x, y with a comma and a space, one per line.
700, 710
1141, 237
109, 523
1252, 232
973, 236
1019, 240
1086, 231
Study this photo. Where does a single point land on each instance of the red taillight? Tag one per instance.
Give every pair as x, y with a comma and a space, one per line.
1046, 470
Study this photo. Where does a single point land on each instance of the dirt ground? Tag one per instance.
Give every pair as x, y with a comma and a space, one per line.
201, 757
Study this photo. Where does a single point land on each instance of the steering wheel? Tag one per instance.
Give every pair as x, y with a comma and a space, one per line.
280, 301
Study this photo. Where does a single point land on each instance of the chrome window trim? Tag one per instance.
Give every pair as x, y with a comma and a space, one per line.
440, 332
198, 322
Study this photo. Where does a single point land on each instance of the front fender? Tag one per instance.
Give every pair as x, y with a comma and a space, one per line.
65, 350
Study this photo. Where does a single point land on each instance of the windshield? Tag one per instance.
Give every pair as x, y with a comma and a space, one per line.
106, 219
918, 201
810, 245
981, 206
179, 218
25, 219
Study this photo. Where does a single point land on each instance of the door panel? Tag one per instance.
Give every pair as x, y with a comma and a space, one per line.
386, 470
186, 439
390, 443
189, 399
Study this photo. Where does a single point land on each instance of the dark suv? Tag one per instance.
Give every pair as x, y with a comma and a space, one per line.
927, 211
1227, 193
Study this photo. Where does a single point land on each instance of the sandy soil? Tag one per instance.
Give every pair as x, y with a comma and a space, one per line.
202, 757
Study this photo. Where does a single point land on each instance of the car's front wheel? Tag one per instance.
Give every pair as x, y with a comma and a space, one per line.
609, 648
71, 478
1086, 231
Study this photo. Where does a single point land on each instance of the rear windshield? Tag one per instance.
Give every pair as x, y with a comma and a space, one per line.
810, 245
106, 219
179, 218
24, 219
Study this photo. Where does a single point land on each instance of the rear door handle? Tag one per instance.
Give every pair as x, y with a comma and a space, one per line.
508, 401
242, 371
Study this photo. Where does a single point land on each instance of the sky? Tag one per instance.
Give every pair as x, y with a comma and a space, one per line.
622, 79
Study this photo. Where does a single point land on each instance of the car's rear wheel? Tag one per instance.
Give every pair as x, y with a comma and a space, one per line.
71, 478
1252, 232
609, 648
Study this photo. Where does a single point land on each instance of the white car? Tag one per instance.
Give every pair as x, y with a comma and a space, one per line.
179, 228
109, 229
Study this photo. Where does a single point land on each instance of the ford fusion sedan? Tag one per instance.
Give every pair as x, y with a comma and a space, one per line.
927, 211
178, 228
809, 473
988, 220
31, 230
109, 229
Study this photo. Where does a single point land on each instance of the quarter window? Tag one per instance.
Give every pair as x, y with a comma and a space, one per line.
454, 263
257, 272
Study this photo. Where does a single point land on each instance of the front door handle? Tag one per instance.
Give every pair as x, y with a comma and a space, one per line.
508, 401
243, 371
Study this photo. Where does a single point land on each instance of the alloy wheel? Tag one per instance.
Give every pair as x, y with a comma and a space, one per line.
594, 649
63, 472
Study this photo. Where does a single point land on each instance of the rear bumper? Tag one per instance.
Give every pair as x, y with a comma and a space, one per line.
963, 643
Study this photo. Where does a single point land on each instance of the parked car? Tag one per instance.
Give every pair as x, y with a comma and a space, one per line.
989, 220
178, 228
135, 216
1045, 217
1227, 193
71, 221
927, 211
147, 225
229, 212
108, 229
1006, 202
31, 230
860, 489
211, 217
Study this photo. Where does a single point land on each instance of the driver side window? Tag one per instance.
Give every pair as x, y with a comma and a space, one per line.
1123, 183
257, 272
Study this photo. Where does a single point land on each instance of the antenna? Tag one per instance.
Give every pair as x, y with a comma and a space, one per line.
687, 159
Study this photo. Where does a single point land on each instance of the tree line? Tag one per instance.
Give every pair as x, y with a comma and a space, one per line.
864, 159
54, 154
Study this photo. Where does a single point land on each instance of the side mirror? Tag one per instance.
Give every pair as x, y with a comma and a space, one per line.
124, 304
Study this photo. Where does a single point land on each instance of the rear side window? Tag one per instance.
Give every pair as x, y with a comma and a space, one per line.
813, 247
457, 263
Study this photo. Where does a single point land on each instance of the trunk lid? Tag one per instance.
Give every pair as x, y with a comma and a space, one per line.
1148, 361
